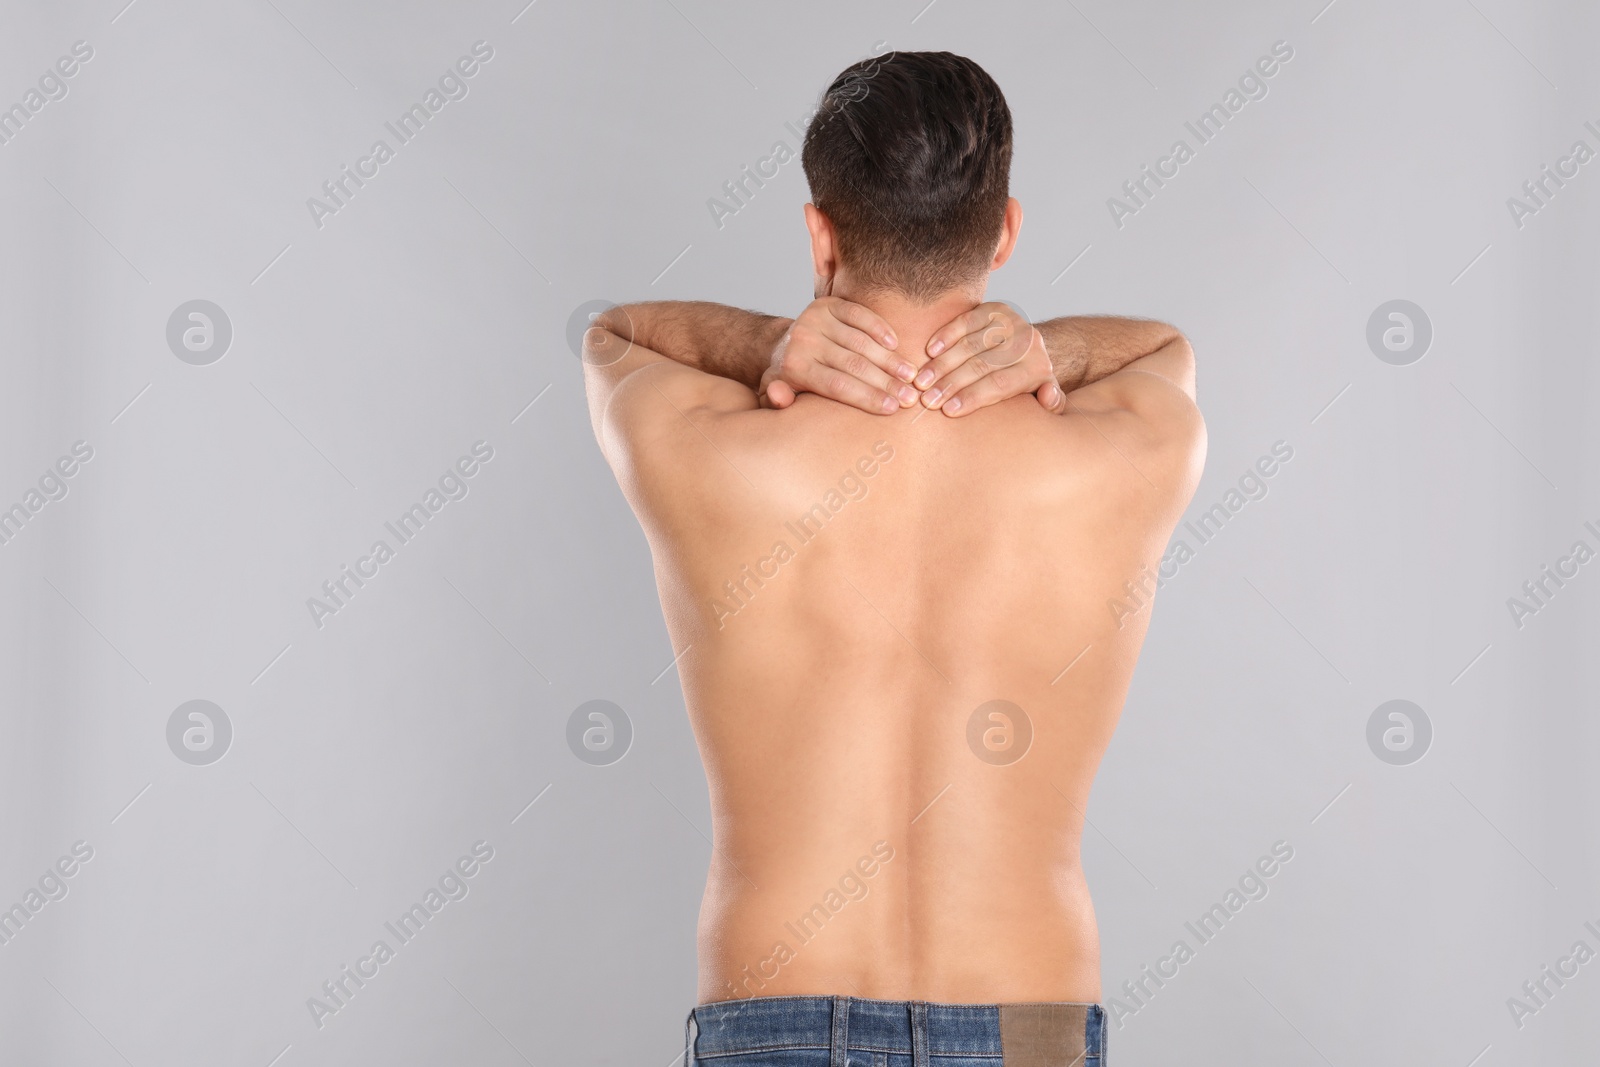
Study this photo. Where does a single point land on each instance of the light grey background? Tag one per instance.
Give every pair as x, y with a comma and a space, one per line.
369, 354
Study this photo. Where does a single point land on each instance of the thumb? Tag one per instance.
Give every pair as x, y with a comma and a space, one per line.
781, 393
1051, 397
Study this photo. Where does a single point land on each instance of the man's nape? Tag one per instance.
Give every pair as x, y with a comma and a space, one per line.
913, 319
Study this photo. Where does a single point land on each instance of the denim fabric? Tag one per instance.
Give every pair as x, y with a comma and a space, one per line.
852, 1032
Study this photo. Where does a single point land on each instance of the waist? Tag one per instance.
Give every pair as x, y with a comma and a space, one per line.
980, 940
1010, 1033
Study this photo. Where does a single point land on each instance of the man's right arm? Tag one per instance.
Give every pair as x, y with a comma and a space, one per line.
1148, 407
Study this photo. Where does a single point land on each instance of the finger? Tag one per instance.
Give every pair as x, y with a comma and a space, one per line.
779, 393
1032, 363
960, 377
849, 341
1051, 398
969, 349
963, 325
847, 389
869, 344
993, 341
855, 366
842, 374
1001, 384
866, 320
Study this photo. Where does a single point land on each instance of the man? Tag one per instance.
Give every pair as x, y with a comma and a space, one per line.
886, 537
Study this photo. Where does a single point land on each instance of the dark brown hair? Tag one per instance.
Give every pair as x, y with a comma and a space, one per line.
909, 155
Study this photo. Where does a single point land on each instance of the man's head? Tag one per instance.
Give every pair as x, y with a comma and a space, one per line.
909, 160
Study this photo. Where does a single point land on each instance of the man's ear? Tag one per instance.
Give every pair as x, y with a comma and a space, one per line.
1009, 228
824, 249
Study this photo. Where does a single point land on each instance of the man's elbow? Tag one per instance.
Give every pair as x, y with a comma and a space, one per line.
603, 347
1173, 361
1183, 364
615, 319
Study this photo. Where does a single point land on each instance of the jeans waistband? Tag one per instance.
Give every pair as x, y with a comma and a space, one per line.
1023, 1034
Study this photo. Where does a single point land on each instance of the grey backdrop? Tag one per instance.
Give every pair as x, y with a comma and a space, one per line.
373, 346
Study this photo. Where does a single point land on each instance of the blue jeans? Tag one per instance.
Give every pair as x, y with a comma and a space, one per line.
851, 1032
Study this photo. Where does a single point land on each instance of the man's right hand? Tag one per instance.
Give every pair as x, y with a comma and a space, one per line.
987, 355
842, 351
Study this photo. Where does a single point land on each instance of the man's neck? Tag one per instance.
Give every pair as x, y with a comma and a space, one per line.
913, 324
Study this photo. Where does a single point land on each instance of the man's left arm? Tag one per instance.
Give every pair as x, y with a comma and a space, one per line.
835, 348
631, 386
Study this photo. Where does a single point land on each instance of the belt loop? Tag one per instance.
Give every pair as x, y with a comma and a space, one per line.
839, 1043
691, 1030
919, 1033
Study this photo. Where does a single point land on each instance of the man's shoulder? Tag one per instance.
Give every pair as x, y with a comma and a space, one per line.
1158, 410
659, 400
1150, 453
1099, 455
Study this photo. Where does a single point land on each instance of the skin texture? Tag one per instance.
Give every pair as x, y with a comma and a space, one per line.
844, 591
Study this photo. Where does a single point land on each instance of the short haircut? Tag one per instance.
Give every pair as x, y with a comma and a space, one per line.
909, 155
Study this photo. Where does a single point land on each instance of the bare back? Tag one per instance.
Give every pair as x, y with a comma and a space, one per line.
902, 670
